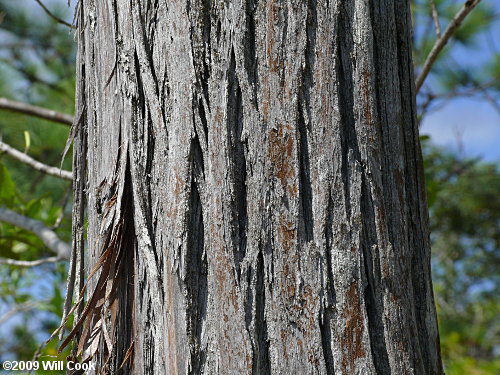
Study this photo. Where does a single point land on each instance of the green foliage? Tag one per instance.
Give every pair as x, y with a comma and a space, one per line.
7, 187
36, 66
462, 193
465, 217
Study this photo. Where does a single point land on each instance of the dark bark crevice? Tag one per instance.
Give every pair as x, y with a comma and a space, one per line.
328, 315
249, 301
346, 105
250, 49
261, 358
238, 167
140, 100
384, 137
305, 190
200, 37
124, 332
327, 320
196, 271
310, 60
331, 298
304, 125
218, 30
148, 349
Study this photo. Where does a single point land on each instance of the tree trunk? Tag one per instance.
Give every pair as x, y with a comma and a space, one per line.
255, 195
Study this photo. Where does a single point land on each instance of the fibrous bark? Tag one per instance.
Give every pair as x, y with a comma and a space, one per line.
256, 201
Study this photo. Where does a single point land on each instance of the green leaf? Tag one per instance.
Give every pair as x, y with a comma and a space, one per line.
27, 141
7, 187
19, 247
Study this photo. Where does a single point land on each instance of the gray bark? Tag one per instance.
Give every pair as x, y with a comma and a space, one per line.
254, 186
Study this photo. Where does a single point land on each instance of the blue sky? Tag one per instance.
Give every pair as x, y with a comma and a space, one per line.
469, 125
466, 125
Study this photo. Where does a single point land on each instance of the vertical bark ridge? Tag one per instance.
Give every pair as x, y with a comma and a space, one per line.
426, 325
392, 44
373, 297
143, 123
226, 310
309, 61
352, 342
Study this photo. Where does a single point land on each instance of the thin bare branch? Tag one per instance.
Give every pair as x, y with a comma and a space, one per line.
28, 263
35, 164
48, 237
64, 202
441, 42
30, 76
26, 306
435, 18
32, 110
490, 99
57, 19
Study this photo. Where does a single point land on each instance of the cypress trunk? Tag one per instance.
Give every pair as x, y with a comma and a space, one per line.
254, 189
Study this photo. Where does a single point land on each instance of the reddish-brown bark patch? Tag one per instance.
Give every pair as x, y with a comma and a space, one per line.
272, 20
352, 342
280, 151
365, 87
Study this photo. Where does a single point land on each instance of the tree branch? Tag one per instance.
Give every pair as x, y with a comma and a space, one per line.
435, 17
48, 237
441, 42
26, 306
57, 19
32, 110
28, 263
35, 164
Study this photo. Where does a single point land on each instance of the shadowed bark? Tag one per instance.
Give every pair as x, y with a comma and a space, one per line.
254, 170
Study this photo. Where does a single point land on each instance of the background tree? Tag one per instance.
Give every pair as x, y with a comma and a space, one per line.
464, 208
37, 66
468, 332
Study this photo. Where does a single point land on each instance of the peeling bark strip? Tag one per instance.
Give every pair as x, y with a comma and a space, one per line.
254, 189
